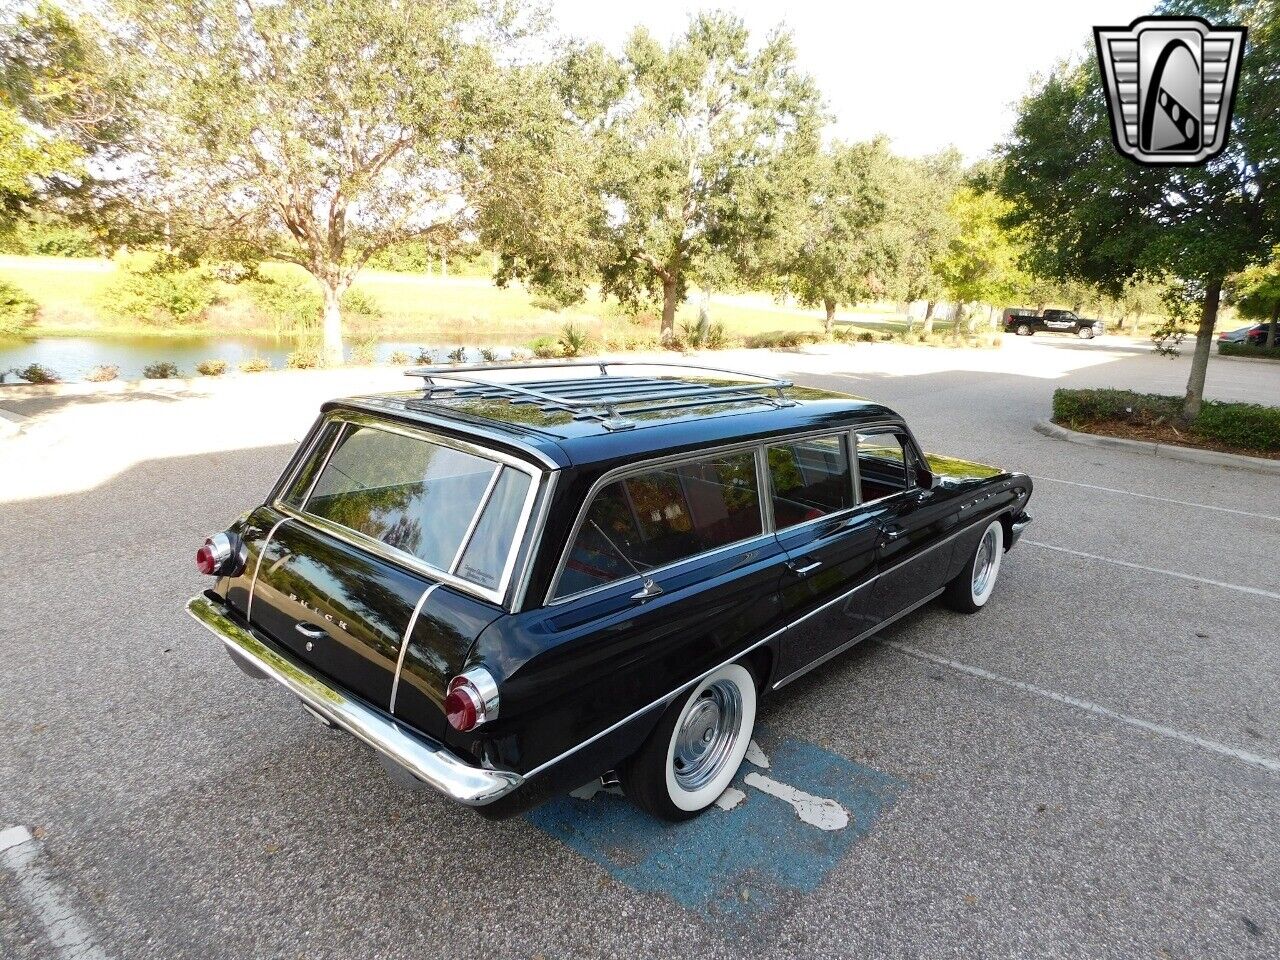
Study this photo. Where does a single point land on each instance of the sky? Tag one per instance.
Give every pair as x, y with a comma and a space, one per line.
928, 73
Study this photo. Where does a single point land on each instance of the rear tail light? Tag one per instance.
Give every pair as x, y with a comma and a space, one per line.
222, 555
472, 699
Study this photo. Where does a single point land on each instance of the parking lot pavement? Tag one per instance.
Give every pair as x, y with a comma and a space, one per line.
948, 789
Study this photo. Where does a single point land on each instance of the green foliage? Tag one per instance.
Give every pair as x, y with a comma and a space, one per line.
662, 172
32, 237
457, 354
211, 368
103, 374
35, 373
364, 352
546, 348
352, 130
981, 262
303, 358
488, 356
360, 304
255, 365
1248, 350
785, 339
162, 290
292, 303
574, 340
17, 311
161, 370
1248, 426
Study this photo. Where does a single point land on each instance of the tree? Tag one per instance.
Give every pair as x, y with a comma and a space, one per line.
668, 174
981, 263
1099, 217
1258, 296
843, 245
307, 131
922, 213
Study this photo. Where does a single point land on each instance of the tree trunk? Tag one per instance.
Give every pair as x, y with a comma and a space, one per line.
991, 318
332, 351
929, 306
1271, 330
669, 304
957, 318
829, 324
1200, 359
1133, 327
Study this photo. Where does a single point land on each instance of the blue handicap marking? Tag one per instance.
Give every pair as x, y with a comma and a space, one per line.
741, 865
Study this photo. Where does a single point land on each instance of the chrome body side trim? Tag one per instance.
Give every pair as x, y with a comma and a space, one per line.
253, 582
858, 639
404, 644
423, 758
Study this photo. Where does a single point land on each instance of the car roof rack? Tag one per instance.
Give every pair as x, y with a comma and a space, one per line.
607, 398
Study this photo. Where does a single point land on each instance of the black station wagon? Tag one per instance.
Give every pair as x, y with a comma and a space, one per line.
510, 587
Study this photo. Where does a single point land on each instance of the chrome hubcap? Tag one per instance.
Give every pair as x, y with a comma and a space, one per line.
705, 740
984, 563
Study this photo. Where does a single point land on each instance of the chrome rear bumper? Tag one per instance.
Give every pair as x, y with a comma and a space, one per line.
1019, 524
423, 759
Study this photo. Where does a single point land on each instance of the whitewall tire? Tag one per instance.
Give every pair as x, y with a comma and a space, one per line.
971, 588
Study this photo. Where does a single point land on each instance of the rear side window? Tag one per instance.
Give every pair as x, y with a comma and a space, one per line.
453, 510
883, 465
663, 516
809, 479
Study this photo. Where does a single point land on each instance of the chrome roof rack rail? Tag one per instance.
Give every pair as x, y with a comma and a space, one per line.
600, 398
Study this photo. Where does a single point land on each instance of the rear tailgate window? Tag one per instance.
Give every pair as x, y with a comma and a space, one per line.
455, 511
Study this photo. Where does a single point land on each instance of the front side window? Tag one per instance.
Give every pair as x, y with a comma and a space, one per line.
455, 511
809, 479
883, 465
663, 516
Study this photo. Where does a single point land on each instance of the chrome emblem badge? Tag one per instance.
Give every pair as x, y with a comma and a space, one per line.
1171, 84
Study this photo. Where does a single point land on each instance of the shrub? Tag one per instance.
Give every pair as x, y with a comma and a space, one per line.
48, 240
161, 370
292, 303
521, 354
17, 311
716, 338
364, 353
574, 340
400, 358
546, 348
488, 356
103, 374
1249, 426
458, 355
163, 290
211, 368
35, 373
784, 339
357, 303
1244, 350
255, 365
425, 356
304, 358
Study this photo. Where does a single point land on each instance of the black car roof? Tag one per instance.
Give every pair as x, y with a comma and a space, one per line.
577, 420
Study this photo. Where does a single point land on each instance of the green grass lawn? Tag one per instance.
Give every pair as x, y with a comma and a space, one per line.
414, 307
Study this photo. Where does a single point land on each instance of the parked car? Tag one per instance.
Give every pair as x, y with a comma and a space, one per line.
508, 589
1255, 335
1025, 323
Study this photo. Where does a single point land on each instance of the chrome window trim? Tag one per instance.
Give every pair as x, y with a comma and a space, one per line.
848, 445
475, 519
496, 595
532, 547
902, 434
633, 469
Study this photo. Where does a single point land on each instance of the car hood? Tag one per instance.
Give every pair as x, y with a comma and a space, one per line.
950, 468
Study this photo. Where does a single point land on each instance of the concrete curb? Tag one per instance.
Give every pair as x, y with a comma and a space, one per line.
12, 424
1165, 450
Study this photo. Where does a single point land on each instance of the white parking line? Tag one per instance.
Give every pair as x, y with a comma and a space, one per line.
19, 854
1169, 733
1148, 496
1255, 591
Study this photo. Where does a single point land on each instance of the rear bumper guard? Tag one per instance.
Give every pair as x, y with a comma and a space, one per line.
424, 759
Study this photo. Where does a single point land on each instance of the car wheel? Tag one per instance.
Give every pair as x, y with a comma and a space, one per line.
972, 586
1085, 333
1024, 330
697, 747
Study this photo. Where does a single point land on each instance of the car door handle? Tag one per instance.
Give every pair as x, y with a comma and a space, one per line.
310, 632
893, 533
805, 569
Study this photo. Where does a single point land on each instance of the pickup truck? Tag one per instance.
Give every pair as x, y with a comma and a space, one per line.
1025, 322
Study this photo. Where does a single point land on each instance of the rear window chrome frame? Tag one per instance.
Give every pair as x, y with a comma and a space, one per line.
538, 483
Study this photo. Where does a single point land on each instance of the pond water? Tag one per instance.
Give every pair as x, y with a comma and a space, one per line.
71, 358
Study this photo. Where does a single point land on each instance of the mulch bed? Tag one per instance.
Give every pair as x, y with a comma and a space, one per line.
1165, 433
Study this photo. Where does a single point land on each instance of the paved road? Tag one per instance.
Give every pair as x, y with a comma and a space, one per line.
1080, 770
